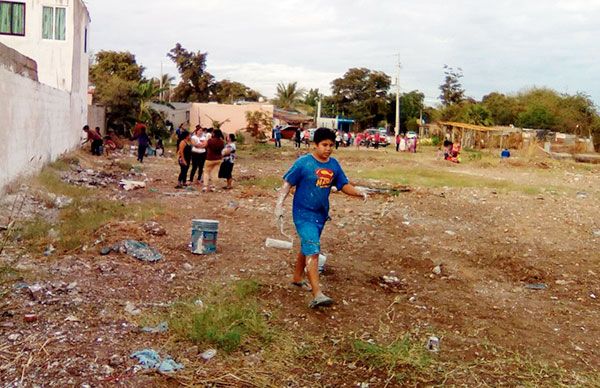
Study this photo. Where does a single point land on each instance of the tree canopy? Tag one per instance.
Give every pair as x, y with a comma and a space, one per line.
115, 76
361, 94
452, 89
196, 82
288, 96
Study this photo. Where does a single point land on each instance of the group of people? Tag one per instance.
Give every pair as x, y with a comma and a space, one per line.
452, 151
209, 153
110, 142
405, 143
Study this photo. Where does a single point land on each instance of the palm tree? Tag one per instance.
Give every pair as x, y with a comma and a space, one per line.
165, 82
288, 95
146, 93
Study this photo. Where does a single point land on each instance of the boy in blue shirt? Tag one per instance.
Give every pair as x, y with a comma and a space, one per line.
313, 175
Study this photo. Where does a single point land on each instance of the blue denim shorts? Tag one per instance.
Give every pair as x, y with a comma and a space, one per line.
310, 236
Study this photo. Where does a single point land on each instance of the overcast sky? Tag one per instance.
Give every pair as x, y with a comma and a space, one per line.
501, 45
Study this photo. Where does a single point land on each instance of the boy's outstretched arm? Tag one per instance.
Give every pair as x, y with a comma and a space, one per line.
283, 193
353, 191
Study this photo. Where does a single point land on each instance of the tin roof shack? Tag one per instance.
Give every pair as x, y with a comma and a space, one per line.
478, 136
295, 119
231, 118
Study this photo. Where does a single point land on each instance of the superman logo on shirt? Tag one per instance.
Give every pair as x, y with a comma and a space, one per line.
324, 177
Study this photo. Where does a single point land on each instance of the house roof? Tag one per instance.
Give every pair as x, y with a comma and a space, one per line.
473, 127
290, 117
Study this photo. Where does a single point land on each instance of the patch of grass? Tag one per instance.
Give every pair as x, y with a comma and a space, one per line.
265, 182
125, 166
35, 230
64, 163
83, 218
230, 319
395, 358
79, 221
422, 177
51, 182
261, 149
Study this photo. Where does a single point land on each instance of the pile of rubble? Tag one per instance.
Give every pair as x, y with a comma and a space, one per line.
88, 177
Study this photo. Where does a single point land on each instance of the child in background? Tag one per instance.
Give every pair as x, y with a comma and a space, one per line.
226, 169
313, 175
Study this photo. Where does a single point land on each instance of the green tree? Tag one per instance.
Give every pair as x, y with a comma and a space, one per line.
476, 114
503, 109
536, 116
257, 122
411, 106
452, 89
288, 96
228, 92
147, 92
164, 82
311, 97
196, 82
362, 94
115, 76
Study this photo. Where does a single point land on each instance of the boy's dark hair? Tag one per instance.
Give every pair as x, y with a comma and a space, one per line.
231, 137
323, 134
86, 127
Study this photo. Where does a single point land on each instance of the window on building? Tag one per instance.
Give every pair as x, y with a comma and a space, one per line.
12, 18
54, 23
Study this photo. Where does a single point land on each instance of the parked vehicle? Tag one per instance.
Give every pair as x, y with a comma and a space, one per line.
288, 132
369, 137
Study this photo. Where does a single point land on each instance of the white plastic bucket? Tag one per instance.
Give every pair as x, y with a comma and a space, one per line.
204, 236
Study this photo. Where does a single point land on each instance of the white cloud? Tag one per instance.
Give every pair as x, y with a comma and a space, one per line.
503, 45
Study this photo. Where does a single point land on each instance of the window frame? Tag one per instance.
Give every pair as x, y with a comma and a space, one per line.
12, 4
54, 29
56, 25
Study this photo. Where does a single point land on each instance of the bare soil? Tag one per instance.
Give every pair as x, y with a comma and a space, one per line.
493, 245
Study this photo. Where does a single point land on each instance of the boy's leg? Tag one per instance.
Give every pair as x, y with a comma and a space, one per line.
299, 268
312, 273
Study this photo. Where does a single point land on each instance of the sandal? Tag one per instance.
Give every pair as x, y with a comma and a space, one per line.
303, 284
320, 301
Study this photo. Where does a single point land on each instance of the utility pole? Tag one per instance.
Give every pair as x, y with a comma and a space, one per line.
397, 127
318, 110
160, 82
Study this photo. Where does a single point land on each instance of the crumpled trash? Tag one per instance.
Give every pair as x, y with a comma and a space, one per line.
209, 354
141, 251
154, 228
150, 359
128, 185
160, 328
536, 286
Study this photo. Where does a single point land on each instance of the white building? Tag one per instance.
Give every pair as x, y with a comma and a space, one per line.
53, 33
44, 66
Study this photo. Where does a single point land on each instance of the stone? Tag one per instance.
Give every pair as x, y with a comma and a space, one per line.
188, 267
115, 360
437, 270
14, 337
131, 309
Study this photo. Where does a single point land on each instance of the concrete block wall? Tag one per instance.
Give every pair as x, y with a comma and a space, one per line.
38, 123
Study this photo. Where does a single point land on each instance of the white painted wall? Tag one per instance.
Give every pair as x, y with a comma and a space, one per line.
36, 126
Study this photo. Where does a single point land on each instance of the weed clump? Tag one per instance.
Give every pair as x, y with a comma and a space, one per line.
398, 356
227, 320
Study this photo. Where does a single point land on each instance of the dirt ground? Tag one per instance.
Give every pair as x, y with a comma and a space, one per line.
500, 261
